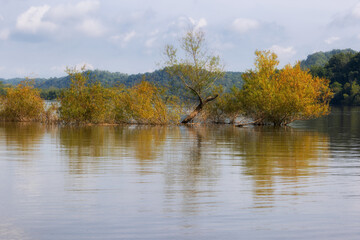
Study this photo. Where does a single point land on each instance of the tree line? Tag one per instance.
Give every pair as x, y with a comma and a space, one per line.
195, 90
343, 71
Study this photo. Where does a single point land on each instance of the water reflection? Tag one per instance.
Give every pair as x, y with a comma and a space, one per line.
84, 147
189, 179
279, 160
24, 137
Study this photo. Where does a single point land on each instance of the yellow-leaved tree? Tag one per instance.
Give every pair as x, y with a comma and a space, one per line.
281, 96
22, 103
85, 102
145, 103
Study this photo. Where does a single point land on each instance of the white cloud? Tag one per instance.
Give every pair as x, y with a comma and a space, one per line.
356, 11
243, 25
84, 66
79, 10
123, 38
331, 40
32, 20
284, 53
150, 42
91, 27
78, 67
198, 24
128, 36
4, 34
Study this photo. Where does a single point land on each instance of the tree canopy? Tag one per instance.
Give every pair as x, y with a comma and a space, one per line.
197, 69
280, 96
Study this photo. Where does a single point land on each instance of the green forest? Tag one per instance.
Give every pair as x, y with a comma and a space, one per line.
342, 68
50, 89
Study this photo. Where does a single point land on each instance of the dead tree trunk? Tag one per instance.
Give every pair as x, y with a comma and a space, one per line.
198, 109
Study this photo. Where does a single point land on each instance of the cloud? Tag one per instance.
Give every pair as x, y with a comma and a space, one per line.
243, 25
356, 11
32, 21
124, 38
331, 40
84, 66
198, 24
284, 53
4, 34
78, 67
68, 11
150, 42
128, 36
91, 27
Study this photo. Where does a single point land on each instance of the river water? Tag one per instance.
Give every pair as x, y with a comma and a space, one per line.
177, 182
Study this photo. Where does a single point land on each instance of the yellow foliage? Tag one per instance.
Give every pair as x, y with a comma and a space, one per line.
144, 104
22, 103
281, 96
85, 102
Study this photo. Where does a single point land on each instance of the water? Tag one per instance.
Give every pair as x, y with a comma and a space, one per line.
215, 182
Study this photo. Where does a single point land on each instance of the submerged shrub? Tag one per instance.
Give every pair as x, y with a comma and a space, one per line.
22, 103
145, 104
85, 102
226, 107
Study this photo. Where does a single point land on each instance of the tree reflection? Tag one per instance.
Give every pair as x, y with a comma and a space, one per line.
23, 138
192, 171
84, 147
279, 155
91, 148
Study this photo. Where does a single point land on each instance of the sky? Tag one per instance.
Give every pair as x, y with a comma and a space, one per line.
41, 38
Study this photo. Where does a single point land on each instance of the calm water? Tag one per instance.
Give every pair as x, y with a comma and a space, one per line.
106, 182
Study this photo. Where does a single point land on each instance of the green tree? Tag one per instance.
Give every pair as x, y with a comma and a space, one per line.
197, 70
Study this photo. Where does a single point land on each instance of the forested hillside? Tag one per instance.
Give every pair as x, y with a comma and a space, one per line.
322, 58
50, 87
343, 71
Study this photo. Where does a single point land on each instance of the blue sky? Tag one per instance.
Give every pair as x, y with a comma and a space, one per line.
40, 38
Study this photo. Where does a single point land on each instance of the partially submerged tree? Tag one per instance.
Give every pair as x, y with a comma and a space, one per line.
280, 96
22, 103
84, 102
197, 70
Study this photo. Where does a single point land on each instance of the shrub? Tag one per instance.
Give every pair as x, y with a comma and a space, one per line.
145, 104
22, 103
85, 102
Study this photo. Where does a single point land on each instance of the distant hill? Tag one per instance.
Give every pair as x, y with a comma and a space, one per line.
343, 71
50, 86
109, 79
322, 58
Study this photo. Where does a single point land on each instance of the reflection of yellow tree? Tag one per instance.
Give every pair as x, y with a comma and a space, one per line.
143, 144
284, 154
88, 147
84, 146
145, 141
25, 137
